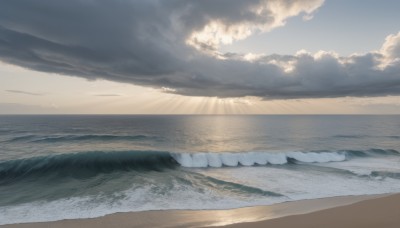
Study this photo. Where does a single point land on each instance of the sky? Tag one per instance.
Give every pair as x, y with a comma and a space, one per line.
199, 57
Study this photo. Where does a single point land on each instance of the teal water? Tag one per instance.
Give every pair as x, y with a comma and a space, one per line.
95, 165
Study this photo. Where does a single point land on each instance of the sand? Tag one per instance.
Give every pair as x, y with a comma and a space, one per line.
349, 211
375, 213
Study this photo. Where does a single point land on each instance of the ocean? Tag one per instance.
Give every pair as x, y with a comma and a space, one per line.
82, 166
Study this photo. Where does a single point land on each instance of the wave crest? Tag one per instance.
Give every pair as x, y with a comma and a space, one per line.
85, 164
203, 160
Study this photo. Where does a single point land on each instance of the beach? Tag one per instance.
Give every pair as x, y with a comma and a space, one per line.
346, 211
382, 212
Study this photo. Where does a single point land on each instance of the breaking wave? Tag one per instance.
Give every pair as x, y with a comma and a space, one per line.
93, 163
85, 164
203, 160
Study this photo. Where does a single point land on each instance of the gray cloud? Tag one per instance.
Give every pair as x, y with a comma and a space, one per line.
174, 44
23, 92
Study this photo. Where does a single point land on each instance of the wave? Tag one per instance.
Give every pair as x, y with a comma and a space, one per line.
393, 136
87, 164
366, 136
384, 174
203, 160
226, 186
66, 138
378, 152
93, 137
21, 138
373, 174
5, 130
351, 136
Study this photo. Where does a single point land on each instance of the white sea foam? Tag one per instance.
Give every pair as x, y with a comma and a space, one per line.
322, 157
203, 160
308, 183
133, 200
365, 166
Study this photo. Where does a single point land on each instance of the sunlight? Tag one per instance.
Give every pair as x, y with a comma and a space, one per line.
216, 33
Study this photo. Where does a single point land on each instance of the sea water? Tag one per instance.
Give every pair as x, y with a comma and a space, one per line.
64, 167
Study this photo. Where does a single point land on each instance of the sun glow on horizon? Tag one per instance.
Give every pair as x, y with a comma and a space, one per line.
56, 94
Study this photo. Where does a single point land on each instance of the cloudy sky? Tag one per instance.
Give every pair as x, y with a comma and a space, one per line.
200, 56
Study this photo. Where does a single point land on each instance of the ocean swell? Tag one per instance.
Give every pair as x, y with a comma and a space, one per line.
87, 137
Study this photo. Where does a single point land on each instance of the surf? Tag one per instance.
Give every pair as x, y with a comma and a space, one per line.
96, 162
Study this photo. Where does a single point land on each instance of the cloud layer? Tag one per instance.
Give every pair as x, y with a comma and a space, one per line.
173, 45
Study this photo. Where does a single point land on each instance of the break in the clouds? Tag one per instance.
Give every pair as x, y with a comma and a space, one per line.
174, 44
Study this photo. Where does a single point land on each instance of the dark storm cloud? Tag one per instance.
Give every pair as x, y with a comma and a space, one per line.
156, 43
23, 92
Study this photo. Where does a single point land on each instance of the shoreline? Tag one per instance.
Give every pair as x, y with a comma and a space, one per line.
241, 217
378, 212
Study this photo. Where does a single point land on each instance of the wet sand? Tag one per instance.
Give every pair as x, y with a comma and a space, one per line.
376, 213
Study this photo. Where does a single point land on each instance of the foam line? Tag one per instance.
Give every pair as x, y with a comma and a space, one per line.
203, 160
